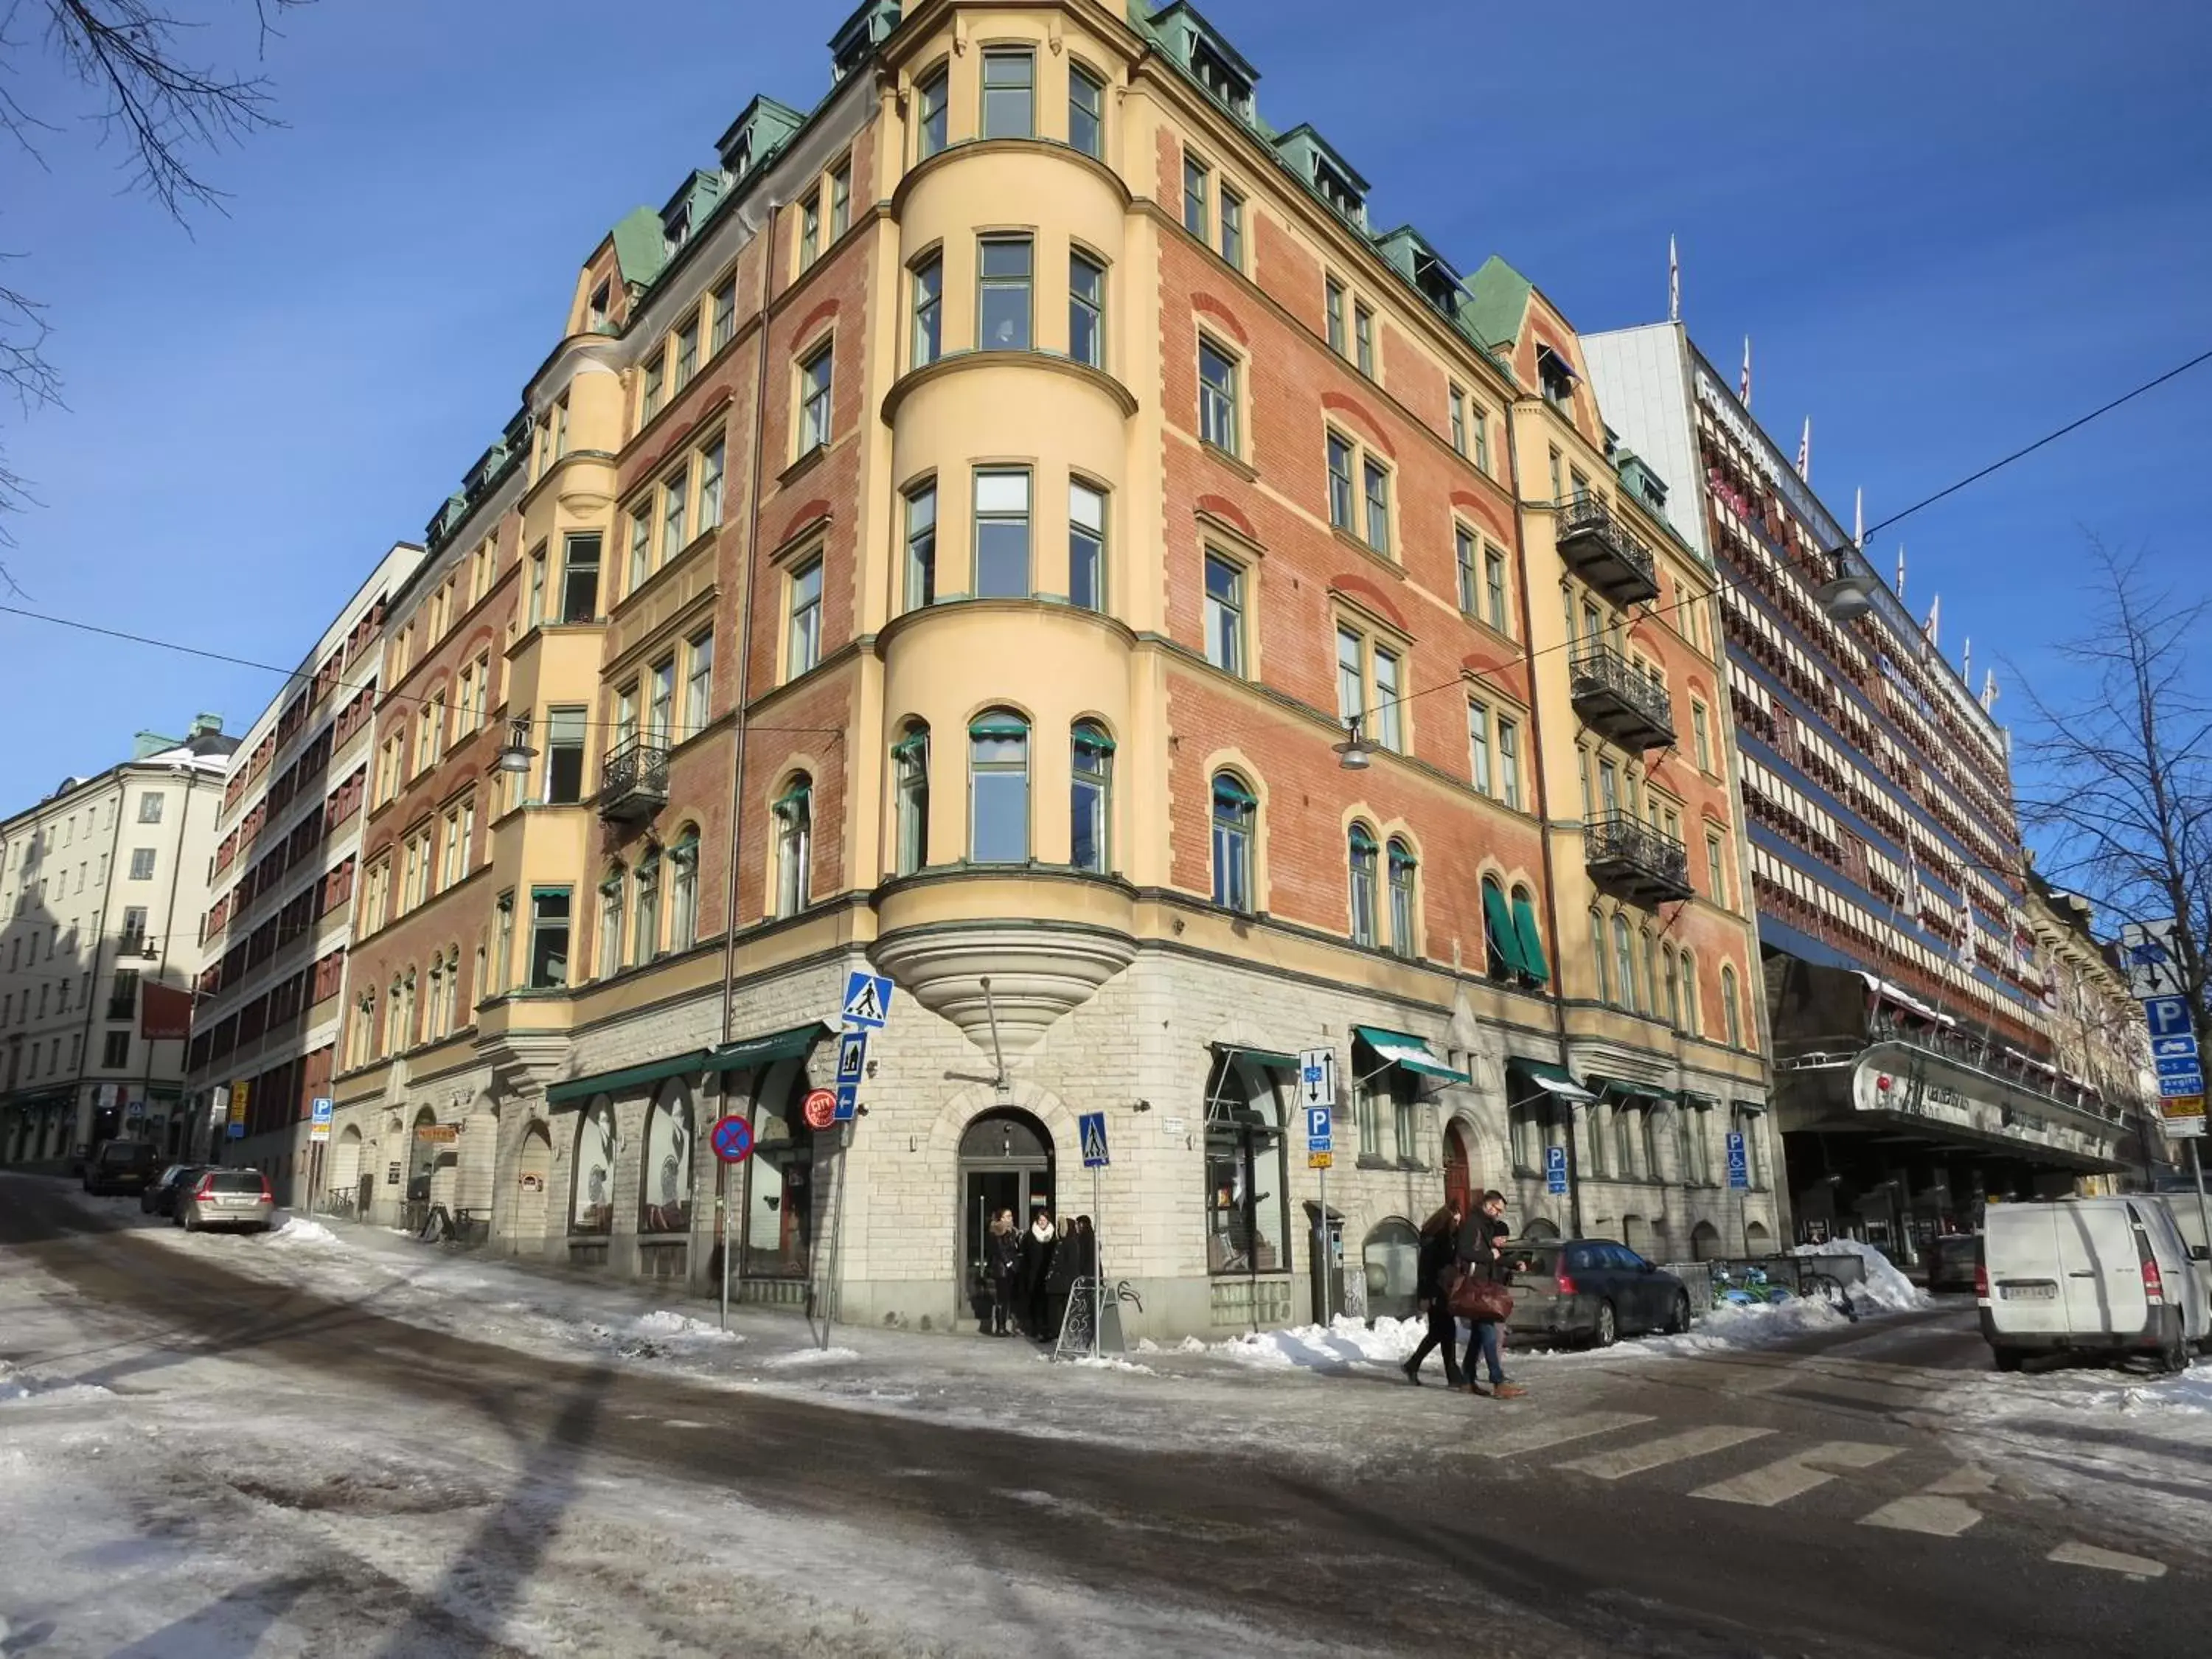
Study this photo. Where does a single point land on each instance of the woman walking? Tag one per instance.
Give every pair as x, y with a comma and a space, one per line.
1002, 1264
1439, 1247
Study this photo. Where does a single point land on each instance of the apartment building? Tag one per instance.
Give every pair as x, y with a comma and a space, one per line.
1916, 1075
100, 885
272, 939
1017, 528
2098, 1035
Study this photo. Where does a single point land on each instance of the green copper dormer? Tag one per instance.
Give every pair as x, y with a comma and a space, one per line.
641, 249
1500, 305
687, 208
1325, 173
1205, 53
859, 36
1415, 258
444, 519
762, 129
1641, 482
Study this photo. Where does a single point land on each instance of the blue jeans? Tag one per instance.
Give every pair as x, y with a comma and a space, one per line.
1482, 1339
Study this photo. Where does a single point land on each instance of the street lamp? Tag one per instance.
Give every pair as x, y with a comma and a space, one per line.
516, 754
1849, 594
1352, 754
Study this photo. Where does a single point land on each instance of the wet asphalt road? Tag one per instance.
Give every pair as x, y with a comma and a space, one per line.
1454, 1553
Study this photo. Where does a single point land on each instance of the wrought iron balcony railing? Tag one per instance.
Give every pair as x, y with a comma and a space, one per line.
1602, 548
1629, 857
634, 783
1618, 699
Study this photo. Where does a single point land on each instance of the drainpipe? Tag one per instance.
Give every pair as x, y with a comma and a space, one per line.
722, 1176
1543, 819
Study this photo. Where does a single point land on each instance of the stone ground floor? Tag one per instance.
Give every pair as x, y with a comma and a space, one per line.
44, 1124
1207, 1206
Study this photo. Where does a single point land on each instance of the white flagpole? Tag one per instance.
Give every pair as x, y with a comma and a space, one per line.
1743, 385
1674, 283
1859, 518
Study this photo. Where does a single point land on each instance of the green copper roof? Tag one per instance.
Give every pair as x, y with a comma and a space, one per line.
1500, 305
641, 249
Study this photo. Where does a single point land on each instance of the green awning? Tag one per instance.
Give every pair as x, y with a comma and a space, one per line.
1410, 1052
629, 1077
997, 725
792, 799
1504, 939
1362, 840
1090, 738
1613, 1086
1401, 856
1226, 788
1532, 940
1268, 1057
1755, 1107
915, 743
1553, 1079
765, 1050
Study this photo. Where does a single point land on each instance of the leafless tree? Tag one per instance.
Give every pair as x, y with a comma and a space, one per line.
146, 95
2122, 761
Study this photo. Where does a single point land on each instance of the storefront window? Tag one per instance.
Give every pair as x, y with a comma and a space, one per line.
665, 1204
593, 1200
1246, 1201
778, 1210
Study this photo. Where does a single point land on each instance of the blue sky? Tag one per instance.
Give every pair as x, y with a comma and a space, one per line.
1947, 228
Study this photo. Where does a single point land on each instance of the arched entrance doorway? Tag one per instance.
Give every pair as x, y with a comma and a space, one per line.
342, 1184
1390, 1254
1459, 1169
1005, 1163
533, 1174
1704, 1242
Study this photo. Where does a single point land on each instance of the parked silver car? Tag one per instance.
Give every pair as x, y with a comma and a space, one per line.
1590, 1290
226, 1197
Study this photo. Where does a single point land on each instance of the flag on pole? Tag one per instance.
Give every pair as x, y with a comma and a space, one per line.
1805, 452
1743, 385
1859, 518
1989, 690
1933, 626
1966, 660
1900, 570
1674, 283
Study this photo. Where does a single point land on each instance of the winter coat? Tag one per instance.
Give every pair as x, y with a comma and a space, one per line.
1439, 1249
1002, 1258
1035, 1258
1070, 1261
1477, 1249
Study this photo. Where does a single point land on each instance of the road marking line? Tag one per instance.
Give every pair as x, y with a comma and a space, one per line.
1542, 1435
2088, 1555
1967, 1480
1938, 1516
1793, 1477
1667, 1448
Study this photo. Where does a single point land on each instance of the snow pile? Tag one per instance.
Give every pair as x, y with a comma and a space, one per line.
666, 1322
1346, 1341
298, 1230
1885, 1286
798, 1357
1107, 1362
1736, 1325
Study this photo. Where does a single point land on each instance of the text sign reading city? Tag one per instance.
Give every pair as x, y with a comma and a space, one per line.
852, 1066
2151, 952
1555, 1170
1316, 1077
2168, 1017
1738, 1161
1091, 1130
732, 1139
867, 1000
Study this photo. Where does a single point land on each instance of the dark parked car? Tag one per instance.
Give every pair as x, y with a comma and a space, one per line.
160, 1197
1951, 1259
1591, 1290
122, 1166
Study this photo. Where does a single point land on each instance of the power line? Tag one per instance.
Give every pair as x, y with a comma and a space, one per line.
290, 674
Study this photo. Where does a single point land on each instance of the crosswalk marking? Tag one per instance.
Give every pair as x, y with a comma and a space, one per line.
1540, 1434
1667, 1448
2088, 1555
1794, 1476
1937, 1516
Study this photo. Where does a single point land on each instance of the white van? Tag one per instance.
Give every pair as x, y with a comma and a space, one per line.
2112, 1274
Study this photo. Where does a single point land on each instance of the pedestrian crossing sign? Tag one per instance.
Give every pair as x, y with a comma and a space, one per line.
1091, 1131
867, 1000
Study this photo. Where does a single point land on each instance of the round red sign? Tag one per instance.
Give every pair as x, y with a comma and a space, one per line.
821, 1109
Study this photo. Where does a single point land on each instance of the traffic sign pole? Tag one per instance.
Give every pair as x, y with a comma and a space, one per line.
1327, 1255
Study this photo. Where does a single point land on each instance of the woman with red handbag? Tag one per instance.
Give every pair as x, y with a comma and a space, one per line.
1432, 1287
1480, 1296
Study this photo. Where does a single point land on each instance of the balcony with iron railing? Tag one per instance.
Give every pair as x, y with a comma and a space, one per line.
1630, 860
1599, 548
1618, 700
634, 782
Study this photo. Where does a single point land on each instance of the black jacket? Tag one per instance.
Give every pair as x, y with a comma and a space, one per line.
1035, 1258
1070, 1261
1002, 1257
1438, 1251
1477, 1251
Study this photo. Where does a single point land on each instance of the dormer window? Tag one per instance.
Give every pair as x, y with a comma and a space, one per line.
595, 313
1217, 76
740, 158
676, 228
1439, 286
1336, 190
1556, 375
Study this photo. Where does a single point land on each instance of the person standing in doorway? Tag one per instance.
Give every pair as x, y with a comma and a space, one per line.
1035, 1272
1478, 1256
1067, 1268
1002, 1267
1432, 1287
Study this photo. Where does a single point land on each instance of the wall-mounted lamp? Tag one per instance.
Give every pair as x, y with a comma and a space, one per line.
1142, 1106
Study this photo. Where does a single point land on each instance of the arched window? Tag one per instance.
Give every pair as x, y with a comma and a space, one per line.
612, 887
1501, 955
433, 1025
410, 1029
1650, 998
1624, 961
592, 1198
1405, 927
1693, 1016
665, 1202
684, 889
1597, 957
1729, 1012
1535, 969
794, 846
1363, 851
998, 788
1091, 796
645, 942
1674, 986
1236, 811
395, 1038
910, 769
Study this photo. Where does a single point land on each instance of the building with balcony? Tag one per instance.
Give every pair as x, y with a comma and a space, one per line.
270, 939
1015, 528
1915, 1070
101, 886
2098, 1035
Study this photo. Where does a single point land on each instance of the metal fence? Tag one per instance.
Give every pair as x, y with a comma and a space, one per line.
1705, 1281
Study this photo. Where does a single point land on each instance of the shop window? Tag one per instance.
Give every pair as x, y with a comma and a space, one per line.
671, 1139
1247, 1200
592, 1204
1390, 1257
779, 1180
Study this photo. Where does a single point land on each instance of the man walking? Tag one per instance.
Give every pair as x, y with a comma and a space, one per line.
1478, 1256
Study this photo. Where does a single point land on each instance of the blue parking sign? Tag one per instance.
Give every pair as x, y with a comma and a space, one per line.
1555, 1170
1738, 1161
